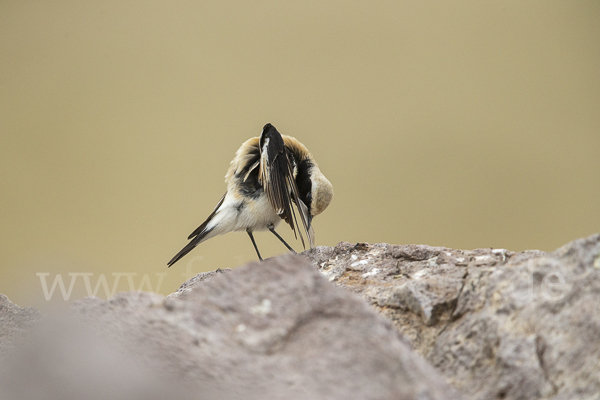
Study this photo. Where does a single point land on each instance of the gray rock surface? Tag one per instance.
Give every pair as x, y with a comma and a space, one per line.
496, 324
196, 280
14, 322
271, 330
490, 322
60, 359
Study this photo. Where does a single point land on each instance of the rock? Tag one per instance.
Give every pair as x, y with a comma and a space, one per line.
197, 280
60, 359
496, 324
275, 330
14, 322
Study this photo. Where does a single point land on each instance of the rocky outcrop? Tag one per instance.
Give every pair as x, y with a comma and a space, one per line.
271, 330
496, 324
492, 323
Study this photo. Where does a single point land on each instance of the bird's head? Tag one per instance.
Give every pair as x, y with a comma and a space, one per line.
321, 192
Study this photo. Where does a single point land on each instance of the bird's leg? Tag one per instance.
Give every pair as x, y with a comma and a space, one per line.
254, 243
272, 229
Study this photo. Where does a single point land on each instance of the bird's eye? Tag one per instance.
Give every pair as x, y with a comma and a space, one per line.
309, 197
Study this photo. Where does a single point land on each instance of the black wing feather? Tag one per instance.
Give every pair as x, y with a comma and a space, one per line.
277, 178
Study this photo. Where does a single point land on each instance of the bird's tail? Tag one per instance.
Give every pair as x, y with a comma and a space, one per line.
189, 247
198, 235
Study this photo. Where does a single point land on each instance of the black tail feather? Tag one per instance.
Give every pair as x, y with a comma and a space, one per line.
189, 247
202, 227
198, 234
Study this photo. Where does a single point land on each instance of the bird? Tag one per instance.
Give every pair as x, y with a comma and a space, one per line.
269, 178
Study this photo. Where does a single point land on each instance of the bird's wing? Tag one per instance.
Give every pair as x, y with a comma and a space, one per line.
197, 236
277, 178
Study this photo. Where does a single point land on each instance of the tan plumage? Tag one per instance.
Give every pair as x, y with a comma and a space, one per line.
270, 178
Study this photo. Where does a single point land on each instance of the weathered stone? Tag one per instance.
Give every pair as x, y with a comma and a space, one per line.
14, 322
497, 324
197, 280
275, 330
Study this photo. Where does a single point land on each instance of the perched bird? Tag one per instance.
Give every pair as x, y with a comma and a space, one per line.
268, 176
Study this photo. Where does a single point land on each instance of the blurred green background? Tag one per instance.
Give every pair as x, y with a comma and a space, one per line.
463, 124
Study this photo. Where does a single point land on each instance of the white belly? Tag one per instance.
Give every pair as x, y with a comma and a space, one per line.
240, 214
257, 215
